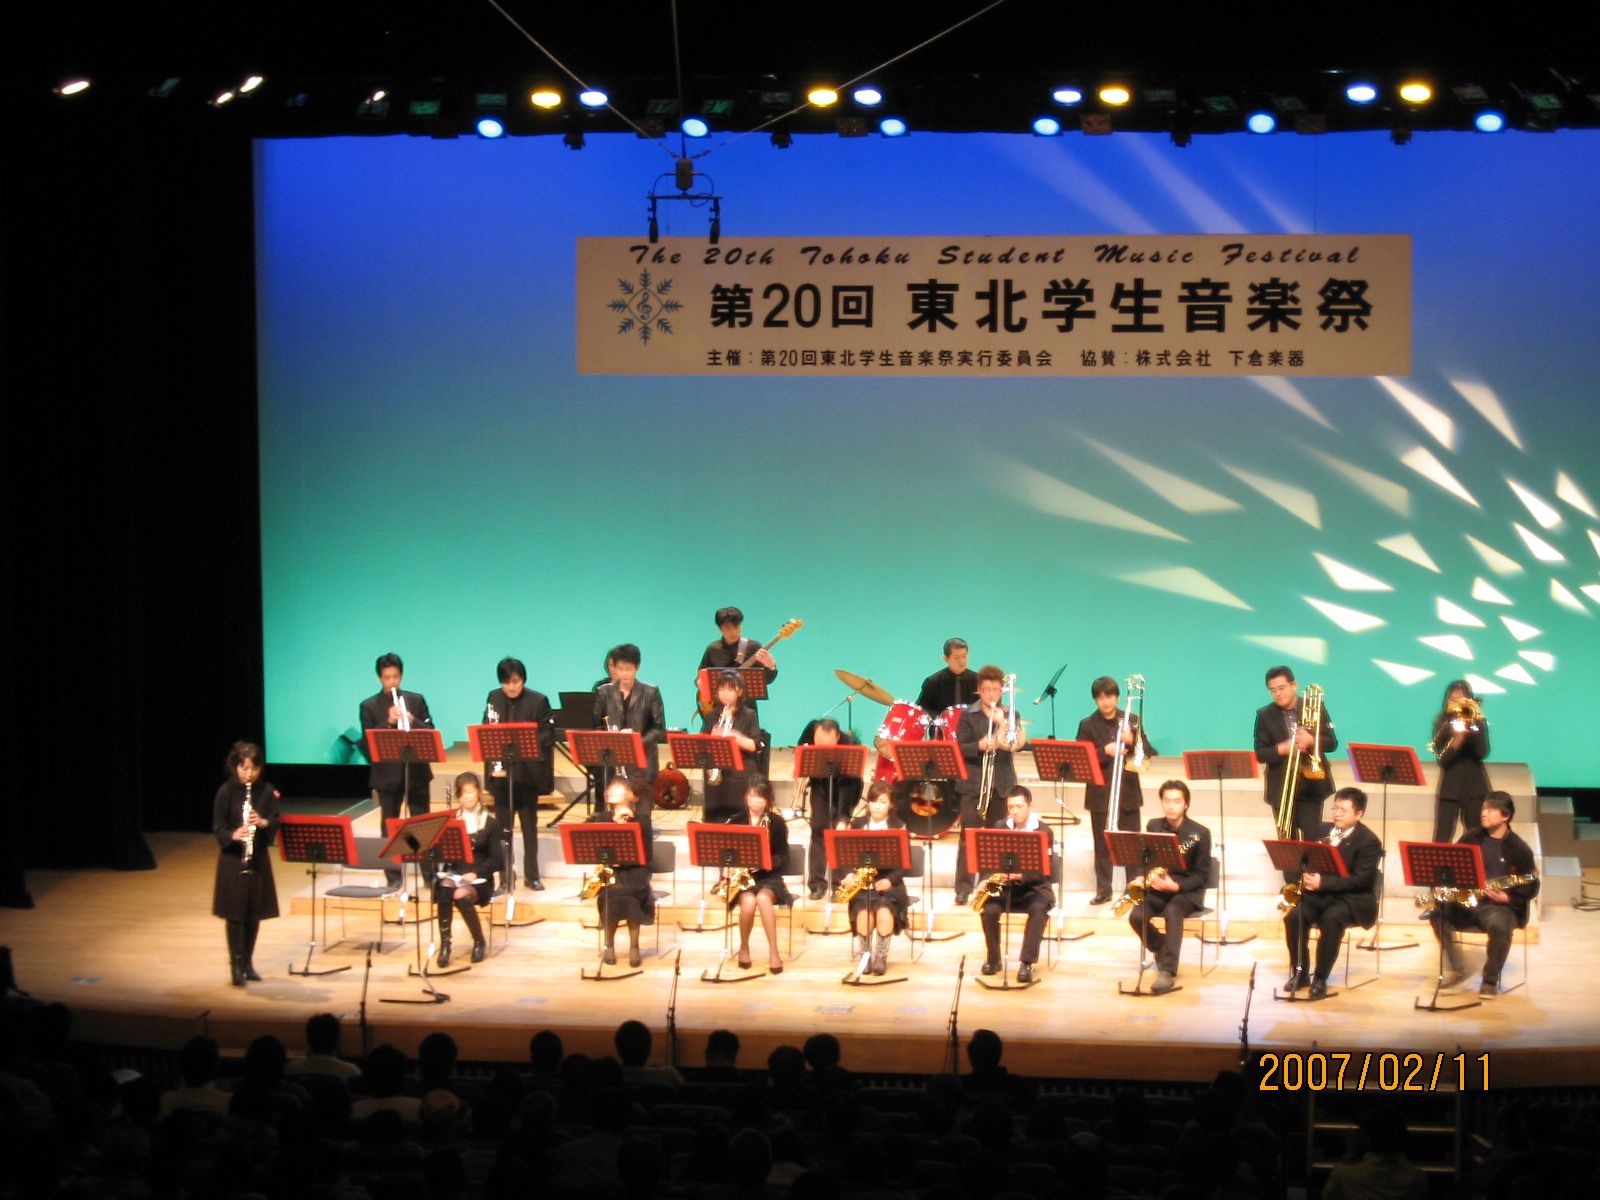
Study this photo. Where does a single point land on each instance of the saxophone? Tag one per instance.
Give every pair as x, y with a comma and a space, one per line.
987, 890
604, 876
245, 813
1133, 895
1430, 900
1289, 894
728, 888
853, 884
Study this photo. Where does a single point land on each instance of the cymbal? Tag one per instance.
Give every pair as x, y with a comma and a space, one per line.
860, 683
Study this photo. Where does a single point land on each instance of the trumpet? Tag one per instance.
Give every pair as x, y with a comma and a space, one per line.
1134, 893
1430, 900
1308, 764
987, 890
1466, 710
853, 884
604, 876
730, 886
245, 813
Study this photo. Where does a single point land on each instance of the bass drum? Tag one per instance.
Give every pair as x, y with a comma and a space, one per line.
671, 788
929, 807
905, 723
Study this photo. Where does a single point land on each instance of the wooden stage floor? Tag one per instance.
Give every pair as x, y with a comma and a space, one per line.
141, 960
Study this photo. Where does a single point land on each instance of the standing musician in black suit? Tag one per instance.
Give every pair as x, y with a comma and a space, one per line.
514, 700
731, 716
953, 685
628, 704
627, 900
1461, 746
1103, 729
394, 783
463, 886
1333, 903
1278, 731
1499, 910
978, 734
769, 890
824, 813
243, 894
880, 908
1176, 894
1028, 891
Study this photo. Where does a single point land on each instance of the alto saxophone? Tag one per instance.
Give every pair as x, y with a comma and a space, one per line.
987, 890
604, 876
245, 813
1467, 897
1289, 894
730, 886
1134, 893
853, 884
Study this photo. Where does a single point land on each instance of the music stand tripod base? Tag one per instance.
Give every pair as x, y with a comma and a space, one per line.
854, 978
598, 975
1295, 997
1138, 989
718, 977
1006, 984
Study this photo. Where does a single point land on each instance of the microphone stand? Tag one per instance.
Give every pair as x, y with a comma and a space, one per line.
1050, 690
953, 1040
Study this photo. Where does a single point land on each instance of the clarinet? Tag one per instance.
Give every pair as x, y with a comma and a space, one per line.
245, 814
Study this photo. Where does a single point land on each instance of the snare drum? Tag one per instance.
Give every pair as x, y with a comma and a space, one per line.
905, 723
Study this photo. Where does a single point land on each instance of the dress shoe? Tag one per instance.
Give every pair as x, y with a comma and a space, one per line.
536, 885
817, 893
250, 972
991, 967
479, 949
236, 972
609, 957
1319, 988
1489, 989
1100, 898
1164, 983
775, 968
1025, 973
1296, 981
444, 956
744, 961
633, 956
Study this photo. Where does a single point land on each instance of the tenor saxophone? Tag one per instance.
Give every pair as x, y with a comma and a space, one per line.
987, 890
853, 884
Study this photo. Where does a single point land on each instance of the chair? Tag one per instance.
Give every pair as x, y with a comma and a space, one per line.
367, 860
1196, 921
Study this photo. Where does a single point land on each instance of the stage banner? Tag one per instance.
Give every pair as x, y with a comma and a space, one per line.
1327, 304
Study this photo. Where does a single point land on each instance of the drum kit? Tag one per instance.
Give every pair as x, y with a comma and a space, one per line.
928, 806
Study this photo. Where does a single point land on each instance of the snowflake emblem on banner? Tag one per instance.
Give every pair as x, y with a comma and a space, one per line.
643, 306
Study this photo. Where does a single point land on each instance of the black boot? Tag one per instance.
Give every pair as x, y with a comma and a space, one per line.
247, 950
445, 917
236, 953
469, 914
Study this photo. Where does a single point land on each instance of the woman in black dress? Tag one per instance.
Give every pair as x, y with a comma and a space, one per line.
768, 891
1461, 744
724, 798
881, 908
628, 900
244, 894
462, 886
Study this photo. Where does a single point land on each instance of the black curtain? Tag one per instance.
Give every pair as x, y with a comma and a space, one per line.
133, 632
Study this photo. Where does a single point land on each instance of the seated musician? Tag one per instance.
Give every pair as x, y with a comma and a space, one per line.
1333, 903
460, 886
830, 806
730, 717
1021, 892
768, 890
627, 900
1499, 909
1176, 894
878, 912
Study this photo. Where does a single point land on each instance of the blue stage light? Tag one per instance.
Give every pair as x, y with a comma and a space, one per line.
1490, 121
892, 127
1361, 93
695, 127
491, 127
867, 96
1046, 126
593, 98
1261, 122
1067, 95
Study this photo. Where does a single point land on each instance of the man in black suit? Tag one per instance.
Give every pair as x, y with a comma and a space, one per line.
515, 701
629, 705
1023, 892
1178, 893
977, 734
1103, 729
1278, 730
394, 783
1333, 903
1500, 910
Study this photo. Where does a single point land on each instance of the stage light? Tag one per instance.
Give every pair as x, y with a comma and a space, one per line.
1067, 95
491, 127
1046, 127
867, 97
545, 98
822, 97
695, 127
377, 97
1361, 93
1115, 94
73, 87
220, 99
892, 127
1261, 121
1489, 121
251, 83
1416, 92
593, 98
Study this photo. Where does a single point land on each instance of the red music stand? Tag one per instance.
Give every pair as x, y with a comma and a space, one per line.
601, 751
933, 761
612, 845
726, 847
1433, 865
850, 849
411, 839
1061, 763
1291, 856
453, 846
1008, 851
1139, 854
1220, 765
705, 751
1383, 765
405, 746
830, 763
753, 678
507, 742
316, 840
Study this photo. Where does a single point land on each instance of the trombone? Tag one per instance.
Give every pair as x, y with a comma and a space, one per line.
1307, 763
1135, 686
1006, 733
